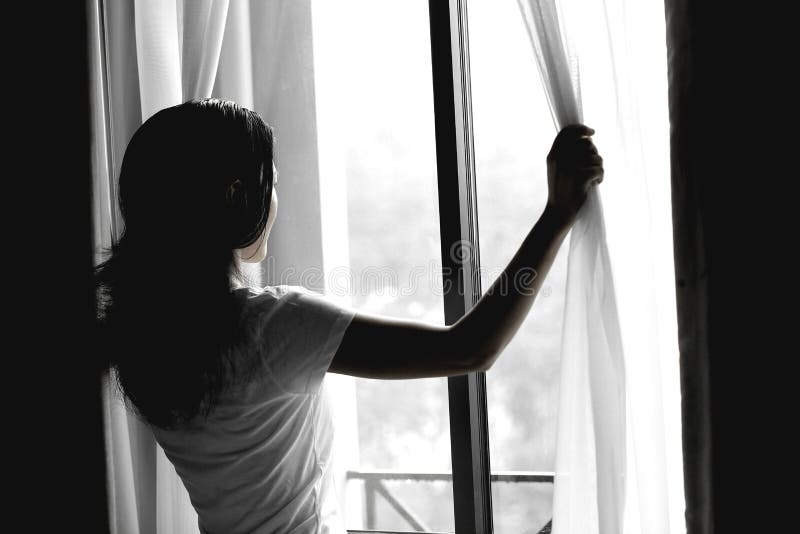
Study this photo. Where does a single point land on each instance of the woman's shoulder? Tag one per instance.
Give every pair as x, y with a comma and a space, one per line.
291, 307
266, 294
277, 301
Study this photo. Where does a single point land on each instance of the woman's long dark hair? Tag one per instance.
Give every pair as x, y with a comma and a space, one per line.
195, 184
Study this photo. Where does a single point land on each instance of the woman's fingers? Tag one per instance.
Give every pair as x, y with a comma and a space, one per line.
580, 150
568, 137
582, 161
575, 130
584, 143
591, 175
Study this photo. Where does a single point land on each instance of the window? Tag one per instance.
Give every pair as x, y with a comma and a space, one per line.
394, 130
410, 214
376, 136
383, 149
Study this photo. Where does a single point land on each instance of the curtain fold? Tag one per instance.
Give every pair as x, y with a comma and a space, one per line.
169, 51
203, 29
235, 71
618, 463
590, 447
178, 46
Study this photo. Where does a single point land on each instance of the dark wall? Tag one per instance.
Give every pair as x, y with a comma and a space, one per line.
731, 170
54, 472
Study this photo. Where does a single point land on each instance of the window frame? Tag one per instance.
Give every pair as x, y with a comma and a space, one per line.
458, 223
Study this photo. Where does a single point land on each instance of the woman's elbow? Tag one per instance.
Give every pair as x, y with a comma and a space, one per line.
479, 359
485, 360
474, 355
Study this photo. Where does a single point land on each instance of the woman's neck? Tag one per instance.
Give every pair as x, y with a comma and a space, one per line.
245, 275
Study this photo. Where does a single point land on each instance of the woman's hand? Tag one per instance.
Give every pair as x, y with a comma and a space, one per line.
573, 167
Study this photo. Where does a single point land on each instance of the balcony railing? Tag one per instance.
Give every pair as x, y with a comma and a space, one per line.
375, 487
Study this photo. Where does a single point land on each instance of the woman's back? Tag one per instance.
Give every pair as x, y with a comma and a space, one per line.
260, 462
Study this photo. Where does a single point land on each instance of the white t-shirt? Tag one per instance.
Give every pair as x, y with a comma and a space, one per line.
261, 462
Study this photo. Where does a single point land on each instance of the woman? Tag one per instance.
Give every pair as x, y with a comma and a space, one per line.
229, 376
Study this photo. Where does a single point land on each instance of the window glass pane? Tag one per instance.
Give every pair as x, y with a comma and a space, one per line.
375, 111
513, 133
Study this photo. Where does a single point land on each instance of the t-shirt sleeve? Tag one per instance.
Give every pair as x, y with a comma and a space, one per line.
300, 334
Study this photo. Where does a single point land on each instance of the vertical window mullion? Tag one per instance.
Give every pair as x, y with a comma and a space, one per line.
458, 222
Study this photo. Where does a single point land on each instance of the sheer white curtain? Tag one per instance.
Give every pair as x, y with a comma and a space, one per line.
618, 463
177, 45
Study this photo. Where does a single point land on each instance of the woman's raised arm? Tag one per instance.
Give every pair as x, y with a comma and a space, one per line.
381, 347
